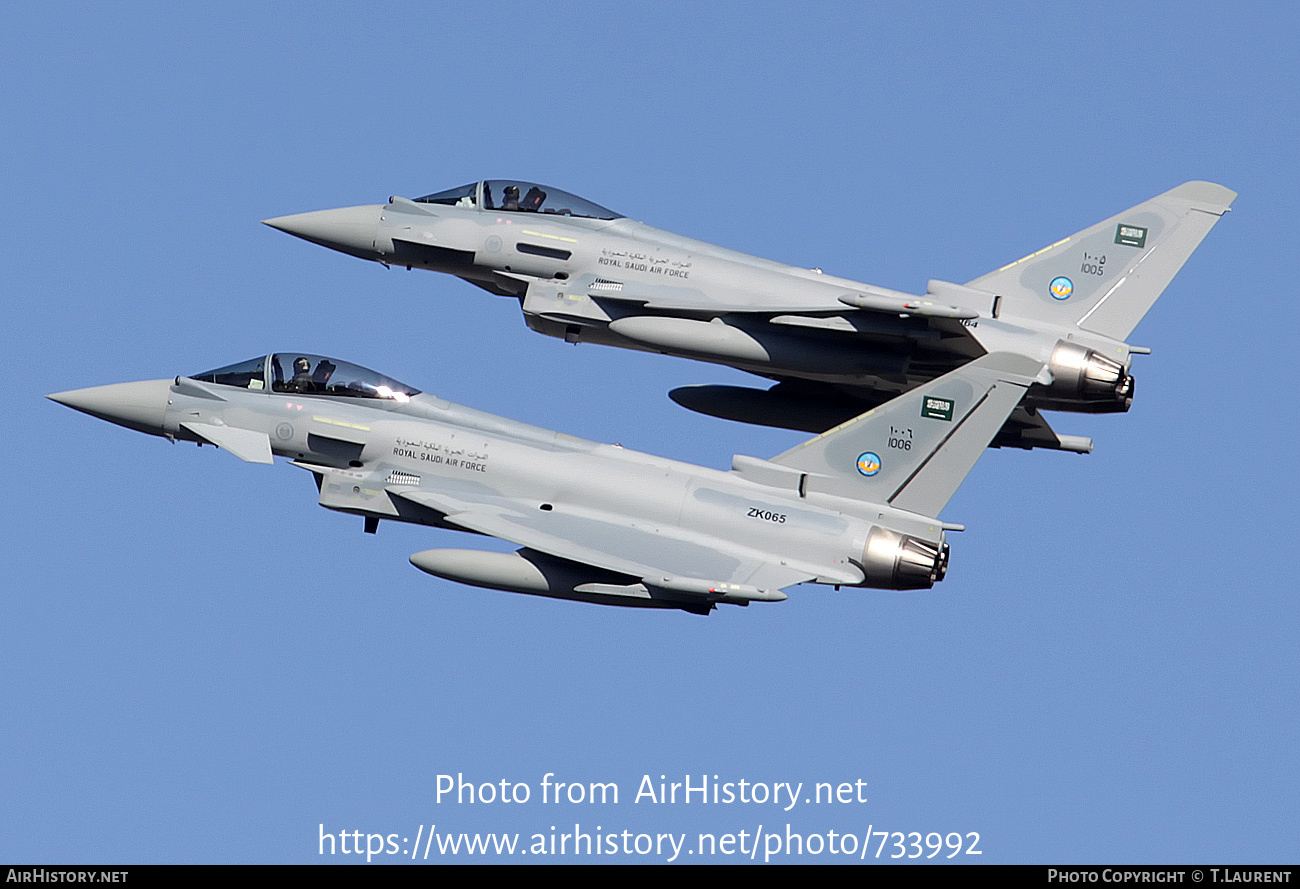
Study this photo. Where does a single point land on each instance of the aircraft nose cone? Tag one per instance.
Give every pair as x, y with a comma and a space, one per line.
141, 405
348, 229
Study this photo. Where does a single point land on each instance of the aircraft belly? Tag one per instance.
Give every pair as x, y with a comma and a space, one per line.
605, 538
659, 555
783, 531
629, 513
616, 512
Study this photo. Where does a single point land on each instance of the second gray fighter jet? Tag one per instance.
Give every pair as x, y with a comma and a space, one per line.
835, 346
856, 506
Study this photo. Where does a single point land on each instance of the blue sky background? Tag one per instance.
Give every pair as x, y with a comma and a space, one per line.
201, 665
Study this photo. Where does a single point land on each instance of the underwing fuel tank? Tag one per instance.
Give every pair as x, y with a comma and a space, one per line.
537, 574
726, 342
517, 572
766, 407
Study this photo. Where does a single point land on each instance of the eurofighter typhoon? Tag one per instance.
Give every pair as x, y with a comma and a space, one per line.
835, 347
855, 506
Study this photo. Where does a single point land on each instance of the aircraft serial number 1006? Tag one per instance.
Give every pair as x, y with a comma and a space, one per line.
598, 522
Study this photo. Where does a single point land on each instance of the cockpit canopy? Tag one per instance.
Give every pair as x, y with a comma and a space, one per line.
303, 374
518, 197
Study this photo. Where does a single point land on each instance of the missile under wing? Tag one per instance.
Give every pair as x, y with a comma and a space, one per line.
854, 506
834, 347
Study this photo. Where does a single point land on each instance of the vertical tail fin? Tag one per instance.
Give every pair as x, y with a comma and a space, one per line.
1105, 278
914, 451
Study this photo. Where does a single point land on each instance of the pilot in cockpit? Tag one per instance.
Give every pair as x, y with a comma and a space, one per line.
510, 198
302, 381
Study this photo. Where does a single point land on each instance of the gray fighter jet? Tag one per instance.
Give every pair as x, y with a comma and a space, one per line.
855, 506
835, 347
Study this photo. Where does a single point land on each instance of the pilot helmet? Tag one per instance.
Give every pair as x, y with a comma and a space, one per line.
301, 365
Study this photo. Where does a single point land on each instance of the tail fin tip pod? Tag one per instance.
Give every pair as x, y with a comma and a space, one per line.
914, 451
1105, 278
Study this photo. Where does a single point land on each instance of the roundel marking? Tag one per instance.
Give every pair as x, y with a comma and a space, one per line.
284, 431
1061, 287
869, 463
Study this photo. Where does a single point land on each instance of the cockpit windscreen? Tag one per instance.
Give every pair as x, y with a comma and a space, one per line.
246, 374
515, 196
465, 196
316, 375
304, 374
